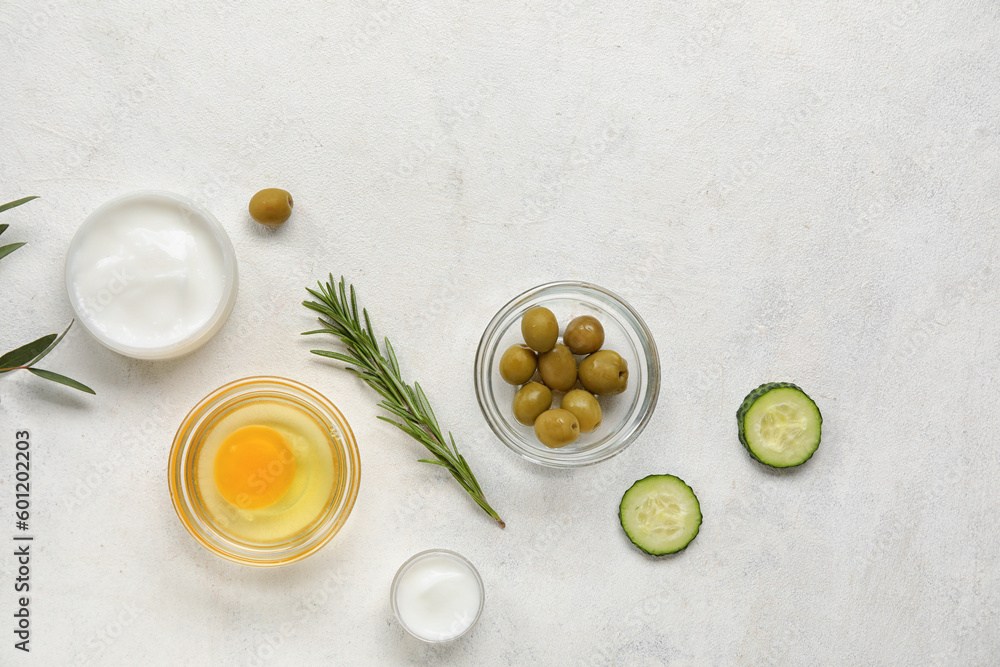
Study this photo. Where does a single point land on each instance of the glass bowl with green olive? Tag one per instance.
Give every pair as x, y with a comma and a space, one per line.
623, 368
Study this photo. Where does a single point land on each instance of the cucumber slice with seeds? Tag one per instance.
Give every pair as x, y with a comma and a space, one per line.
779, 424
660, 514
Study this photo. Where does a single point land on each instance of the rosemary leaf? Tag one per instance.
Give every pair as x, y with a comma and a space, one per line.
437, 463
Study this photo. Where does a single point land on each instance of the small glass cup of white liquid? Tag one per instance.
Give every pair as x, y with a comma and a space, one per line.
437, 595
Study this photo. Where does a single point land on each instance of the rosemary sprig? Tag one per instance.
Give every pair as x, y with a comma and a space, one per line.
414, 416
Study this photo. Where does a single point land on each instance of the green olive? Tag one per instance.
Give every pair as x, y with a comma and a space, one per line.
540, 329
271, 206
584, 335
557, 428
604, 373
584, 405
517, 364
558, 368
530, 401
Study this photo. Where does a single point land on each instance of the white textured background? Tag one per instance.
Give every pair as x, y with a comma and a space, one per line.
791, 191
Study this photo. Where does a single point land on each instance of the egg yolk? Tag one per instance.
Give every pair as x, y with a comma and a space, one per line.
254, 467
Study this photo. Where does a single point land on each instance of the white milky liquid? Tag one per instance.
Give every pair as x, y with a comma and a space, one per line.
147, 273
438, 597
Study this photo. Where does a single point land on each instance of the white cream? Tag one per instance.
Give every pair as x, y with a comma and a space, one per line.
437, 596
148, 275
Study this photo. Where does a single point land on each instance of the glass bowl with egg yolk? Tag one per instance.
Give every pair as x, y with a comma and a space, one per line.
264, 471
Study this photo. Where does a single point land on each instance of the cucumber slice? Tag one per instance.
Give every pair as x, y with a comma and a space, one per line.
779, 425
660, 514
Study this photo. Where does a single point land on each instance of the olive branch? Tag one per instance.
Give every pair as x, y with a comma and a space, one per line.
26, 356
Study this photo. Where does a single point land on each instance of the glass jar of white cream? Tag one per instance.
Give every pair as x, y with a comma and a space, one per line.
437, 595
151, 275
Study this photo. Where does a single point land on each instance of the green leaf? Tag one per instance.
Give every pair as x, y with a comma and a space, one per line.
50, 347
399, 412
61, 379
18, 202
343, 296
335, 355
392, 357
402, 427
24, 354
7, 249
3, 228
368, 328
422, 397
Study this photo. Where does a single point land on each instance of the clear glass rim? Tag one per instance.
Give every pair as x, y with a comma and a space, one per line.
409, 562
646, 403
181, 483
223, 309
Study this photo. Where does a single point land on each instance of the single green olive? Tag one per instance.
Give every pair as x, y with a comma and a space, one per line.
584, 405
584, 335
558, 368
557, 428
517, 364
530, 401
271, 206
604, 373
540, 329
